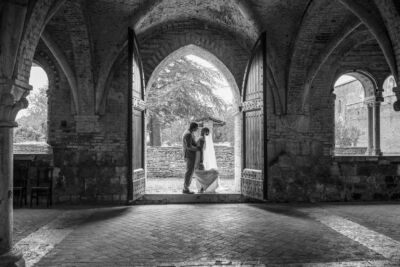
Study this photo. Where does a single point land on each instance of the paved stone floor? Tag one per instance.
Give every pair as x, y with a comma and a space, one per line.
214, 235
174, 186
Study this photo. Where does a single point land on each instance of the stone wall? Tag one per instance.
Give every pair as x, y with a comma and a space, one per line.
90, 165
347, 179
167, 162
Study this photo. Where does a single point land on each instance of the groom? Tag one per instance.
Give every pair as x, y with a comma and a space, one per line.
189, 152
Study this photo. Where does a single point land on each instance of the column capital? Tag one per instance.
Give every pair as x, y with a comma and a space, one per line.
9, 109
369, 101
372, 101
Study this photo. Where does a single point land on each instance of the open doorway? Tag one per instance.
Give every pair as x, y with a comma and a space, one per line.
191, 84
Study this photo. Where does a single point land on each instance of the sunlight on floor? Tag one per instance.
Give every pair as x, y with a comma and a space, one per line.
174, 186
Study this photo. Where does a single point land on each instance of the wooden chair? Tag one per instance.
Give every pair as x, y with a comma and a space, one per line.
20, 186
44, 185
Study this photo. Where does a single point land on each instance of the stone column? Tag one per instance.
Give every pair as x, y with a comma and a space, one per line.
377, 128
370, 129
8, 111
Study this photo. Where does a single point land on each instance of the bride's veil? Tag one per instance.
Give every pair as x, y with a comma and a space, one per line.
209, 159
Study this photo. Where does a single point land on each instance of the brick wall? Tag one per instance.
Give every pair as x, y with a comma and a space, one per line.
30, 39
167, 162
170, 38
89, 166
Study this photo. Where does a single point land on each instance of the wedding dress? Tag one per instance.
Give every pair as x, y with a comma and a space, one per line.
207, 179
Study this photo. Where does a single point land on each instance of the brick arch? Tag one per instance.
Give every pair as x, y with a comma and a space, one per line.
236, 15
82, 56
158, 43
372, 19
36, 20
45, 61
223, 46
202, 53
63, 62
337, 64
367, 80
323, 28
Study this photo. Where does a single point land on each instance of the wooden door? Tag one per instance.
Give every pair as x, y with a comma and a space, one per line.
253, 178
136, 121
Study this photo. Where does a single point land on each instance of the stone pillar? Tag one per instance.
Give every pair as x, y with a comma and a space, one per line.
8, 111
155, 131
377, 128
370, 129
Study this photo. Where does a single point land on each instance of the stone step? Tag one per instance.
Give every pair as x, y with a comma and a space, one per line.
191, 198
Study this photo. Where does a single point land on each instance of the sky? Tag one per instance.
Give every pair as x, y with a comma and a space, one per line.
224, 92
38, 77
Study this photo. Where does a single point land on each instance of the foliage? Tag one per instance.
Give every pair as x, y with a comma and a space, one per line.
346, 136
33, 124
185, 91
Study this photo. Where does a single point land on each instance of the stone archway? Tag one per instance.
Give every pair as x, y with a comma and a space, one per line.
223, 69
357, 113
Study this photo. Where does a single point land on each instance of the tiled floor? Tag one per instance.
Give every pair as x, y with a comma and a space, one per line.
27, 221
220, 234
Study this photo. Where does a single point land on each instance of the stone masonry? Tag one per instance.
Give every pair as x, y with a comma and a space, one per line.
167, 162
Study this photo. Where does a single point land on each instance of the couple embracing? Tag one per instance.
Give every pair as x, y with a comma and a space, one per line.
200, 160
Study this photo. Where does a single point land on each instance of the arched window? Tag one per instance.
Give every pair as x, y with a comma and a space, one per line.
390, 123
32, 122
351, 118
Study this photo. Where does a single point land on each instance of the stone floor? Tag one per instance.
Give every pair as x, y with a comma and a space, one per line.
212, 235
174, 186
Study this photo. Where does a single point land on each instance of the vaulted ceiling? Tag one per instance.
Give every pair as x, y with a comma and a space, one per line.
302, 34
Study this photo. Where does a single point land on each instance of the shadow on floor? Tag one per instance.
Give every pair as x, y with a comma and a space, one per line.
107, 213
284, 210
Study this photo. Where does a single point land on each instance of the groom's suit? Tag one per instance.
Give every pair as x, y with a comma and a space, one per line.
189, 153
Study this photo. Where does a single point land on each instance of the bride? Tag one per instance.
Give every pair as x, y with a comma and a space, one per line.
206, 170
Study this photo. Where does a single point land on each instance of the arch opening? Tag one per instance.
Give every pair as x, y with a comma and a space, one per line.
389, 119
32, 122
352, 91
191, 84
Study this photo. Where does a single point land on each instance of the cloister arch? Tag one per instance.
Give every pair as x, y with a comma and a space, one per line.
202, 53
356, 117
368, 82
389, 119
229, 48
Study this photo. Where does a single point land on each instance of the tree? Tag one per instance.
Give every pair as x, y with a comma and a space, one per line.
346, 136
33, 124
184, 91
